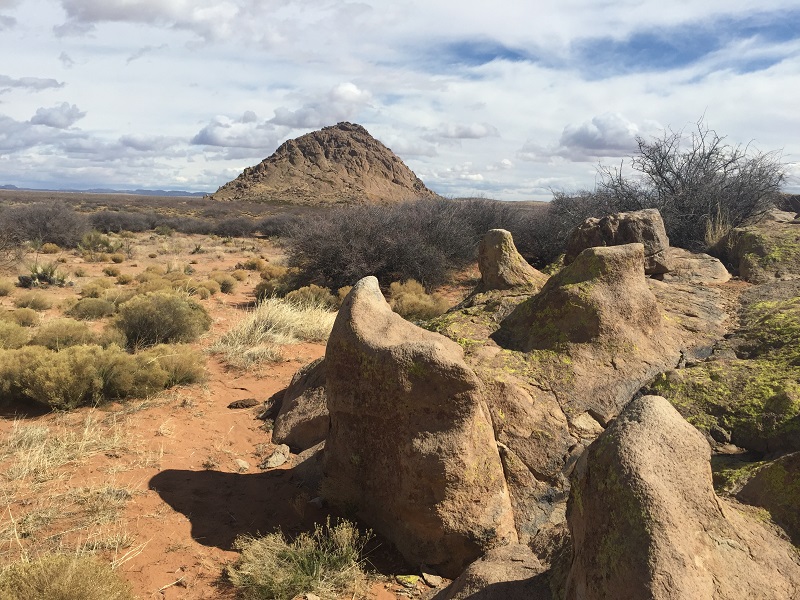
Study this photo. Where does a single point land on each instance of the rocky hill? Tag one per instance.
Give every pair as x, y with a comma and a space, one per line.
338, 164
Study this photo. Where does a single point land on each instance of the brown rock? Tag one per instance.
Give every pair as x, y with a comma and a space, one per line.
646, 523
694, 267
642, 227
411, 448
502, 266
341, 163
303, 419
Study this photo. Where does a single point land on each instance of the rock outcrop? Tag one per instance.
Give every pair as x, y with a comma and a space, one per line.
640, 227
646, 523
776, 487
411, 448
502, 266
338, 164
303, 420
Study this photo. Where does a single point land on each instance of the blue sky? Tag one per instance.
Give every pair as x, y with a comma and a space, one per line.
509, 102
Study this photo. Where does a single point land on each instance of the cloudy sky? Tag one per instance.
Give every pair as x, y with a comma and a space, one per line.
508, 99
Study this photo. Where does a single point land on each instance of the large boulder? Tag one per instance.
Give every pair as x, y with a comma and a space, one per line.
502, 266
646, 523
642, 226
411, 449
303, 420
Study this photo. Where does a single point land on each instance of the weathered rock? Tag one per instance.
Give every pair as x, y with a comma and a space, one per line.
411, 449
338, 164
602, 296
642, 226
279, 456
776, 487
646, 523
303, 419
244, 403
693, 267
502, 266
508, 573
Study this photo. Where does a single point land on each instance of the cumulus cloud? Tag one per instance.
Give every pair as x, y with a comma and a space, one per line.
245, 132
145, 143
342, 103
467, 131
28, 83
501, 165
59, 117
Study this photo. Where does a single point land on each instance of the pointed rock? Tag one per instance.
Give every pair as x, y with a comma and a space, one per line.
411, 448
303, 419
502, 266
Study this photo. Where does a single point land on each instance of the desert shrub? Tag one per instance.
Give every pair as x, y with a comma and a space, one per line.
327, 562
342, 292
212, 286
201, 292
164, 230
27, 317
95, 246
276, 281
225, 281
409, 300
271, 271
79, 272
272, 323
89, 309
278, 225
234, 227
35, 300
63, 577
6, 287
252, 264
239, 274
49, 248
154, 285
12, 335
182, 364
62, 333
118, 296
95, 288
41, 274
160, 318
187, 225
108, 221
117, 258
44, 222
313, 294
111, 271
124, 279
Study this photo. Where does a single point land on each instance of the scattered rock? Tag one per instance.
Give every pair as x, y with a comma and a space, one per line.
242, 465
411, 448
341, 163
646, 523
279, 456
303, 419
407, 581
430, 578
244, 403
642, 226
692, 267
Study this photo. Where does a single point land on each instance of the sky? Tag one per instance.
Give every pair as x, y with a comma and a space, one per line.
510, 99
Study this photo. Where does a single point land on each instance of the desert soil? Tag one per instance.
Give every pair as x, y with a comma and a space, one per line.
174, 478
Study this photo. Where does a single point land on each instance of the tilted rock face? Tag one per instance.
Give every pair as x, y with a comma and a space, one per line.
411, 448
338, 164
303, 419
646, 523
601, 296
502, 266
641, 226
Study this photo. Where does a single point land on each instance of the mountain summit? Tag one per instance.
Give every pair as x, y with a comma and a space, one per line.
338, 164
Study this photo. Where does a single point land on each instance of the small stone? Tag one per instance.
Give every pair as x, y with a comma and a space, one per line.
429, 577
310, 596
242, 465
407, 581
278, 457
244, 403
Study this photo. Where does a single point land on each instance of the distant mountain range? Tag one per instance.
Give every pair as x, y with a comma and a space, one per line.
110, 191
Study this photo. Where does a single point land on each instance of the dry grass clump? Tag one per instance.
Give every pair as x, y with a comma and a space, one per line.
225, 281
124, 279
161, 318
328, 562
313, 294
95, 288
63, 577
111, 271
274, 322
63, 333
252, 264
276, 281
50, 248
117, 257
12, 335
27, 317
35, 300
410, 300
90, 309
6, 287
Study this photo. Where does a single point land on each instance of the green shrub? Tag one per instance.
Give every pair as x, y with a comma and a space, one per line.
181, 364
63, 577
161, 318
410, 301
89, 309
111, 271
225, 281
62, 333
35, 300
328, 562
6, 287
12, 335
313, 294
27, 317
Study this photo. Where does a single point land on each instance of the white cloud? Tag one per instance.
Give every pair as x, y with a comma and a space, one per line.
28, 83
467, 131
245, 132
62, 116
342, 103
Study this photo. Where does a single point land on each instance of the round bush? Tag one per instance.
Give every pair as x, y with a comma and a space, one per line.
225, 281
161, 318
89, 309
34, 300
63, 333
27, 317
12, 335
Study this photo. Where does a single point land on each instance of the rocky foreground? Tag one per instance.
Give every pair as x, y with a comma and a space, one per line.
515, 444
